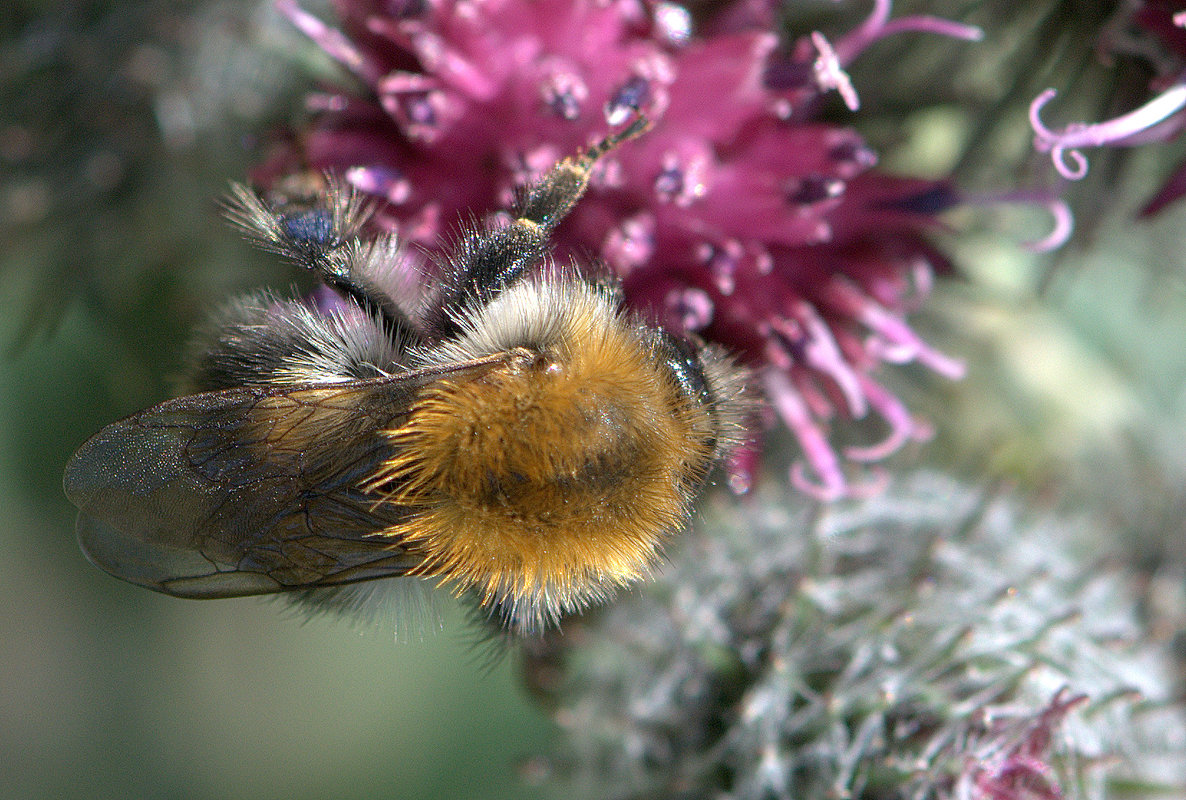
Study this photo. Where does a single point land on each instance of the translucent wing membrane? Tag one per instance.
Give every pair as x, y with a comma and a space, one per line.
246, 491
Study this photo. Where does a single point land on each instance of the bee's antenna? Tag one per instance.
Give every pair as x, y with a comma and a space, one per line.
641, 125
548, 200
487, 261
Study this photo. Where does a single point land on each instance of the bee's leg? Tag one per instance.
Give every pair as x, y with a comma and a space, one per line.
323, 235
487, 260
347, 275
321, 242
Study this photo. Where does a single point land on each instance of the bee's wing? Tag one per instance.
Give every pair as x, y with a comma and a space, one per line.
243, 491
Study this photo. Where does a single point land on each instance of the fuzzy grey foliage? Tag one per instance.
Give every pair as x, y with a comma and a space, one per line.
937, 641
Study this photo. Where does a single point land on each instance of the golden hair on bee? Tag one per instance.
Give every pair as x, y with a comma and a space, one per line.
518, 437
552, 478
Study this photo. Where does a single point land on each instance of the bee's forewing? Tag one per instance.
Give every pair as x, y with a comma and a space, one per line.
244, 491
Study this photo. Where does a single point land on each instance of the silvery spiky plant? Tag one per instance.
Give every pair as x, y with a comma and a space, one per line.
934, 642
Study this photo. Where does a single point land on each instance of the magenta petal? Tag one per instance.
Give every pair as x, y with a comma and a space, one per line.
789, 406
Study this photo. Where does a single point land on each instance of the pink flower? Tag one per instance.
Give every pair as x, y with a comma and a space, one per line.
739, 217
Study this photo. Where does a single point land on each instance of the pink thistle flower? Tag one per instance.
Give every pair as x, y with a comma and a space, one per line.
739, 217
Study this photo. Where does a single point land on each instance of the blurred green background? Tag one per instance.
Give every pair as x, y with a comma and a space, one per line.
120, 124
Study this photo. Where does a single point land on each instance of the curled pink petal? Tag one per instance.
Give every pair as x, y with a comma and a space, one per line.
903, 427
1120, 130
789, 406
807, 338
892, 338
1064, 226
1060, 211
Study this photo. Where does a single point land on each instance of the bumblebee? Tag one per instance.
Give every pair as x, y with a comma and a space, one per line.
517, 436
